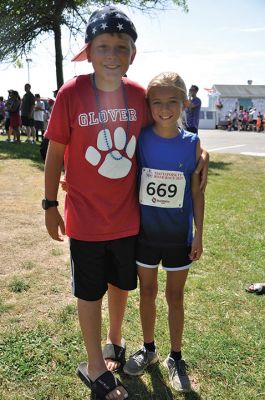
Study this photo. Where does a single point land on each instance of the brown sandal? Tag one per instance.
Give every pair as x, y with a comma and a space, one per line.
115, 353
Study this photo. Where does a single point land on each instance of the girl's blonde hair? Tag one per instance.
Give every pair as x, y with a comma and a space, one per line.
169, 79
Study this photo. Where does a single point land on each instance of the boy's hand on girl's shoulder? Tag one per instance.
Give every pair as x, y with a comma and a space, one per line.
202, 169
54, 224
63, 185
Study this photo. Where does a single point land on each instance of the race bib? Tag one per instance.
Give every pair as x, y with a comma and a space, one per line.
162, 188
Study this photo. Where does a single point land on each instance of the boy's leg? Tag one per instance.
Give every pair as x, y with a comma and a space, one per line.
117, 300
89, 286
122, 273
89, 313
175, 295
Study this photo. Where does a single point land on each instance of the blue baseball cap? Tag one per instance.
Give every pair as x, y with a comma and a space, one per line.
108, 19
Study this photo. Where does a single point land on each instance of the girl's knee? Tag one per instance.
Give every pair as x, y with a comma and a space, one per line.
175, 298
148, 291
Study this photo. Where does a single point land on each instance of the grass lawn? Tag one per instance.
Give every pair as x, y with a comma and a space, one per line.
40, 341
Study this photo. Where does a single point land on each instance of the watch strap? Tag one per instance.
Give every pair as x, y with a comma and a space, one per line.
46, 204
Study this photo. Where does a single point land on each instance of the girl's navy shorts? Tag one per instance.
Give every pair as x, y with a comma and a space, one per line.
174, 258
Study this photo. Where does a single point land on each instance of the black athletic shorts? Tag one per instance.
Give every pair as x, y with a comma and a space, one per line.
172, 258
7, 124
95, 264
27, 121
39, 125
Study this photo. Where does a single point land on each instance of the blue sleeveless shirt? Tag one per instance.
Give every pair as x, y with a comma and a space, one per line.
163, 162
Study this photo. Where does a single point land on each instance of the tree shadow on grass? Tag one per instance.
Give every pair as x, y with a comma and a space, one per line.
32, 152
215, 166
160, 390
13, 151
167, 393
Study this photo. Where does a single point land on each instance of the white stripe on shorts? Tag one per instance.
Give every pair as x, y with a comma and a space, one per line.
72, 274
177, 268
140, 264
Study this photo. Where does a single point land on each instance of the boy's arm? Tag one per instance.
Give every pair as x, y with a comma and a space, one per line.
53, 167
198, 211
202, 168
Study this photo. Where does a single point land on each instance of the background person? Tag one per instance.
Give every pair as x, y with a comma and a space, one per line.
7, 116
45, 142
2, 112
193, 110
13, 108
27, 114
39, 116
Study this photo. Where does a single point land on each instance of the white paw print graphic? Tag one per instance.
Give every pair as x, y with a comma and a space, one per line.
120, 165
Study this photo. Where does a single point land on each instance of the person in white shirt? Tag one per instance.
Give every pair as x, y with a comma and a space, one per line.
39, 115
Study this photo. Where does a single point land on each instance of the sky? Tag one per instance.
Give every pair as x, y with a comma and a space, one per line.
216, 42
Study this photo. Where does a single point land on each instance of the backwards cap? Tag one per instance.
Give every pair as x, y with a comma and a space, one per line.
106, 20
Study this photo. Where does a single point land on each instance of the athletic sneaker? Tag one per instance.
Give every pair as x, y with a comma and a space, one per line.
139, 361
177, 374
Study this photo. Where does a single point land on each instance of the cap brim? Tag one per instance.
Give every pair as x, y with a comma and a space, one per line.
81, 56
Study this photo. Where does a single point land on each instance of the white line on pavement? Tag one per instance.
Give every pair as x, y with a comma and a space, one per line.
228, 147
253, 154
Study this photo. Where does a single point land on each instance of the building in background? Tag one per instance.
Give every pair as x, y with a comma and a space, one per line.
224, 99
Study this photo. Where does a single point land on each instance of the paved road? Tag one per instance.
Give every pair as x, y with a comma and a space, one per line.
247, 143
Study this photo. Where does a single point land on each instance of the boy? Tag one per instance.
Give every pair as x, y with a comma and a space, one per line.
94, 125
170, 200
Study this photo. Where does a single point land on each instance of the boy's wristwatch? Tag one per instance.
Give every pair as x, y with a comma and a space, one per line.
49, 203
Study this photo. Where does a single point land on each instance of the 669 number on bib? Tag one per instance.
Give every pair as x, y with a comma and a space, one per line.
161, 188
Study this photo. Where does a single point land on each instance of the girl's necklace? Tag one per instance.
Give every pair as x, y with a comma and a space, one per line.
95, 89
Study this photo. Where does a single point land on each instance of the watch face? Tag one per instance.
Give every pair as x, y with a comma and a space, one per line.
44, 204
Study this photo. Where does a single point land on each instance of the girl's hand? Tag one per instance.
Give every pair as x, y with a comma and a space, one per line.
196, 248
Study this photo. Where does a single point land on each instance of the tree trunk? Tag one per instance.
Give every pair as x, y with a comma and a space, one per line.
58, 55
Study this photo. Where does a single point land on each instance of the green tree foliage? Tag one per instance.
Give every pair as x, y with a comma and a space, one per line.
24, 23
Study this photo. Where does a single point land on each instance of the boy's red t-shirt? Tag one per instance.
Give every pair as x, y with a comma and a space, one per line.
101, 201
